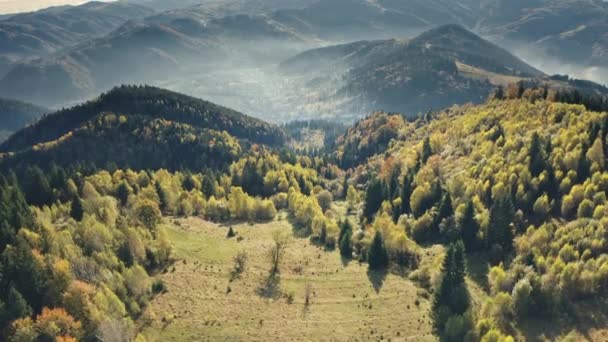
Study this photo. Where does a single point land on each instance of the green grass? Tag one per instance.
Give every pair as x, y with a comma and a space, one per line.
347, 303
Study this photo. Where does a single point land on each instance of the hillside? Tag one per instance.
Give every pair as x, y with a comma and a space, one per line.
428, 72
491, 216
14, 115
536, 165
574, 31
49, 30
167, 46
135, 124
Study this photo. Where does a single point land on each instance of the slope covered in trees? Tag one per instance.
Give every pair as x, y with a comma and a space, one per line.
143, 105
521, 182
438, 68
14, 115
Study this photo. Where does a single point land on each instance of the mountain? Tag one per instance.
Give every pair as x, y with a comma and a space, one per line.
14, 115
226, 7
170, 45
49, 30
134, 125
574, 30
438, 68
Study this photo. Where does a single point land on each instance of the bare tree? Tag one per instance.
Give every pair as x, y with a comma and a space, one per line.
281, 240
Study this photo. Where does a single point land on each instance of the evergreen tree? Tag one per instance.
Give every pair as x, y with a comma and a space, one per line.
583, 167
162, 197
344, 239
537, 159
469, 228
373, 199
76, 210
445, 211
377, 255
393, 184
188, 183
37, 188
499, 231
208, 185
122, 193
17, 305
427, 150
452, 296
406, 193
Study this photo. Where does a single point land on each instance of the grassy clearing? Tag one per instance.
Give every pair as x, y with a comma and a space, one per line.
346, 302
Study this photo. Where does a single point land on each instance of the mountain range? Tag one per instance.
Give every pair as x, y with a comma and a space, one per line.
183, 49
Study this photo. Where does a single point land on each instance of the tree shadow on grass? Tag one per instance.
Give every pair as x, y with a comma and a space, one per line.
478, 266
583, 317
376, 278
270, 288
345, 260
298, 231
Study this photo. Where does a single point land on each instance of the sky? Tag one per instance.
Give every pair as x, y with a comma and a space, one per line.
16, 6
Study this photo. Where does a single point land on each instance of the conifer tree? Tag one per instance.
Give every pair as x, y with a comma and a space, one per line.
345, 239
36, 187
122, 193
377, 255
451, 297
76, 210
162, 197
469, 228
499, 231
17, 305
537, 159
445, 211
406, 193
373, 199
427, 150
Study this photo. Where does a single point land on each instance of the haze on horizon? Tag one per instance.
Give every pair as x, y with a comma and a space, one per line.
18, 6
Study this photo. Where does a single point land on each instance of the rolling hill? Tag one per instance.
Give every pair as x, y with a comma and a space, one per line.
163, 46
14, 115
431, 71
136, 124
46, 31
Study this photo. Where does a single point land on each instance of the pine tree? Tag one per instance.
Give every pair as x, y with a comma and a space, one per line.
122, 193
451, 297
427, 150
76, 210
583, 168
346, 248
445, 211
17, 305
36, 187
373, 199
537, 159
469, 228
162, 197
393, 184
377, 255
406, 193
501, 217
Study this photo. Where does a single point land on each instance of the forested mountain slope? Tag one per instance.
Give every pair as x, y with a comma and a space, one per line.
522, 183
438, 68
49, 30
143, 127
14, 115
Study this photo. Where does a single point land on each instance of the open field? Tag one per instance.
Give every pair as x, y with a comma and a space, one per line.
346, 302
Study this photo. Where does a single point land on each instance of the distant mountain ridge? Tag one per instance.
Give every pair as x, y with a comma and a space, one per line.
428, 72
14, 115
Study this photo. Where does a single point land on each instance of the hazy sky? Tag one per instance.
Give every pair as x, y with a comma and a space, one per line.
15, 6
